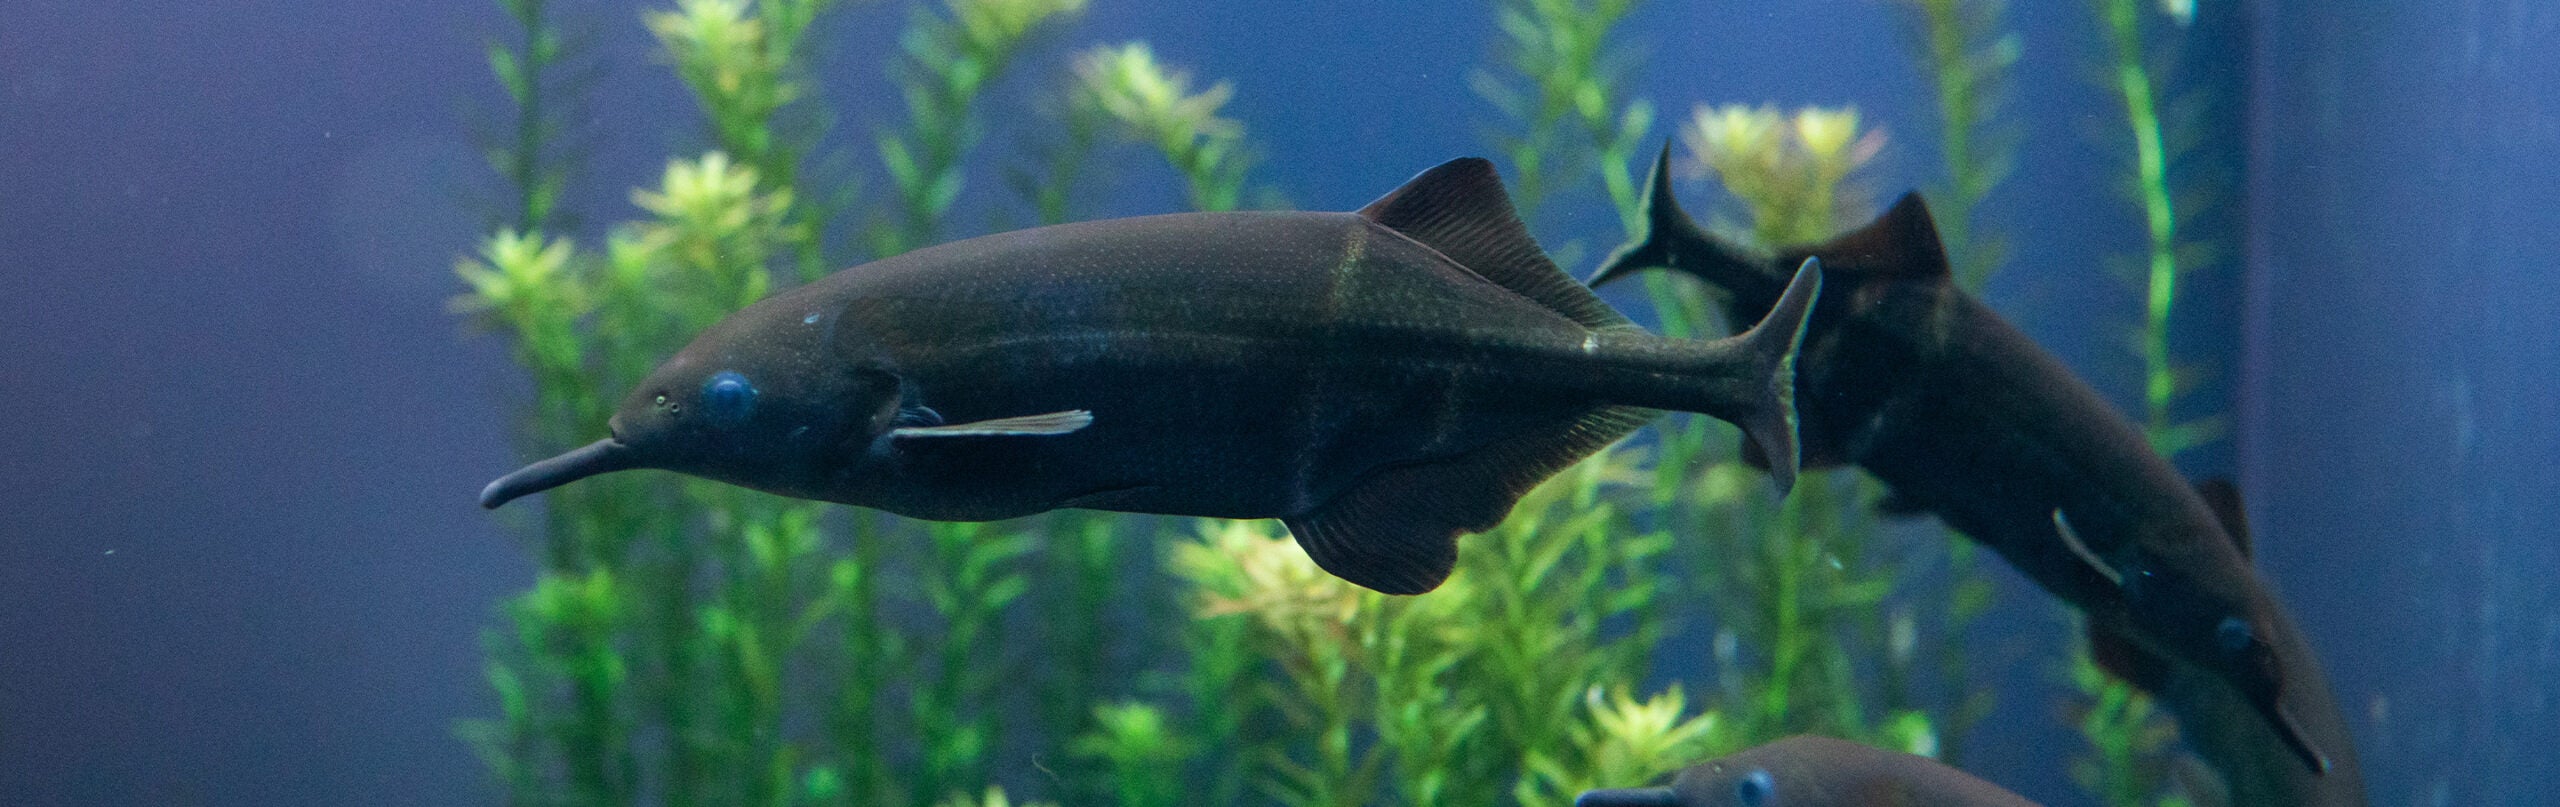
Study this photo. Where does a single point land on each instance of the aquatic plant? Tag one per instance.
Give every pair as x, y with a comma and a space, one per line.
744, 60
1627, 740
741, 60
948, 62
994, 796
1967, 57
1563, 89
970, 575
2167, 255
2126, 731
534, 152
2131, 740
1156, 107
1790, 170
1143, 752
617, 626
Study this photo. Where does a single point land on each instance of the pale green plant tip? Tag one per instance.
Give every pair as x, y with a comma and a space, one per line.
1791, 170
1155, 105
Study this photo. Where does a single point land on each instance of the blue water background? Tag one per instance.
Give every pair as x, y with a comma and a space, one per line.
240, 564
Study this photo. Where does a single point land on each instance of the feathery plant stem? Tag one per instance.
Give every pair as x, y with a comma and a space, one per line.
745, 62
1563, 92
948, 63
1078, 570
530, 69
1155, 106
1063, 165
2151, 175
1967, 55
1143, 754
2125, 730
870, 646
2132, 739
971, 576
1967, 60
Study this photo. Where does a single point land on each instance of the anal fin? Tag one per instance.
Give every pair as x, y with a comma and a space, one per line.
1396, 531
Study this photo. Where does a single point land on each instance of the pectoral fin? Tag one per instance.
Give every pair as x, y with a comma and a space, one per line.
1053, 423
2071, 540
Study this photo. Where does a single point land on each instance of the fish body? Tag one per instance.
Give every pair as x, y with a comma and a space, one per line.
2223, 727
1382, 380
1964, 417
1811, 771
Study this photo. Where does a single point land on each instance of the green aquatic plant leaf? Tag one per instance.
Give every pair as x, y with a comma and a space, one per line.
1967, 57
1141, 752
1795, 173
1562, 87
1155, 106
946, 62
535, 149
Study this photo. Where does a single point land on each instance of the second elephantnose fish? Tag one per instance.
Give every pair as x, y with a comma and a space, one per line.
1965, 418
1382, 381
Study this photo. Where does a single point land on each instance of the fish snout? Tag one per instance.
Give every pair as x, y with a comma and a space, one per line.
599, 457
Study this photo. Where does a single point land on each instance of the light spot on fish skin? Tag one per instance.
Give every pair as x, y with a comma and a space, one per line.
2233, 635
811, 319
1590, 344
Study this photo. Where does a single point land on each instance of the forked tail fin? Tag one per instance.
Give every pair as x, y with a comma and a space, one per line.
1770, 424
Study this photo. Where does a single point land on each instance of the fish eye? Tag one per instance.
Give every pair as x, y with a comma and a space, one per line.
2234, 635
728, 397
1756, 789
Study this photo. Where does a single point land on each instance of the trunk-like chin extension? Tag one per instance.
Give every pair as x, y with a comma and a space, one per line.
2293, 737
601, 456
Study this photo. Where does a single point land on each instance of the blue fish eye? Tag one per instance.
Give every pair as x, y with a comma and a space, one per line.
2234, 635
1756, 789
728, 397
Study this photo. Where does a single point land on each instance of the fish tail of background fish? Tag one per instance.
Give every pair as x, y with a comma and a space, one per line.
1671, 239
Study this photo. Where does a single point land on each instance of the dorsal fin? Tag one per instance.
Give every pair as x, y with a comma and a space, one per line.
1903, 242
1397, 529
1459, 209
2224, 498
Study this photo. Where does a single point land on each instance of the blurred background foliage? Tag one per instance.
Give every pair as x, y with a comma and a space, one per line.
692, 643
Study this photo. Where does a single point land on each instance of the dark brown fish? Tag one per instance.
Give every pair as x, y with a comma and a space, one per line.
1810, 771
1382, 380
2221, 725
1965, 418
